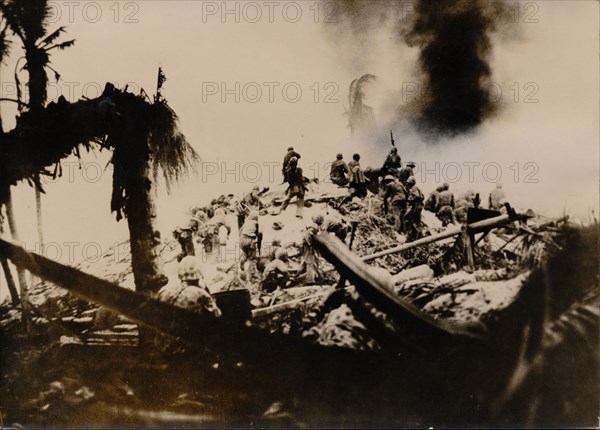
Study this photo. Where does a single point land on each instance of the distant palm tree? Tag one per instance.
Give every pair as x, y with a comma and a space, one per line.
360, 116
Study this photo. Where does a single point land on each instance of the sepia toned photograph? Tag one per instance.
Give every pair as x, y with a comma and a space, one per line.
299, 214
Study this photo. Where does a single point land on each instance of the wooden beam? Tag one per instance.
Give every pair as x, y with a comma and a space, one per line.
381, 294
450, 232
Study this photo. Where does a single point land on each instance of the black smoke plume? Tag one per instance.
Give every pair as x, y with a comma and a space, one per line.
454, 42
453, 38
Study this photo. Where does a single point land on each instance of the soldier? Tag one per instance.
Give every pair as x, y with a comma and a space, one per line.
412, 217
310, 261
358, 181
392, 162
497, 198
397, 195
296, 188
445, 215
286, 160
329, 224
276, 273
191, 293
406, 172
463, 204
431, 202
185, 236
249, 235
339, 170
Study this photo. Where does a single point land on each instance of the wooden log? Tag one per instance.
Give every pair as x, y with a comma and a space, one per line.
381, 293
263, 312
450, 232
418, 272
153, 313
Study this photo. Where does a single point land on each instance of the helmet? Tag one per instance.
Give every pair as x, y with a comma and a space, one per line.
253, 216
291, 148
281, 254
189, 269
339, 156
318, 219
389, 178
411, 181
293, 160
446, 186
255, 188
394, 150
356, 157
411, 164
499, 185
276, 242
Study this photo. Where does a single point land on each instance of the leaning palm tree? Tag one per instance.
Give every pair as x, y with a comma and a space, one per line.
360, 116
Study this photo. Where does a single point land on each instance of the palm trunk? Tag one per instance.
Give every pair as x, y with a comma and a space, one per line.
38, 209
12, 224
10, 282
144, 238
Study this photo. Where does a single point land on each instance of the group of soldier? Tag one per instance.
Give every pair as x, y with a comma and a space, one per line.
403, 203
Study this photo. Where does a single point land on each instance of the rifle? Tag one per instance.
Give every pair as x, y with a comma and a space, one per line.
259, 238
392, 138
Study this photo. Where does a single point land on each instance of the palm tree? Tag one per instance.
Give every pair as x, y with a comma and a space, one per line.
10, 282
360, 116
28, 20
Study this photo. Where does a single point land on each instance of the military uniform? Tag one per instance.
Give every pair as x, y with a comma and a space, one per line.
358, 180
405, 173
396, 196
497, 198
392, 163
191, 293
296, 189
412, 217
286, 161
275, 275
339, 169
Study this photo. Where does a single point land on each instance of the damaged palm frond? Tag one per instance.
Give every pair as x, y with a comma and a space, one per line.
171, 152
359, 114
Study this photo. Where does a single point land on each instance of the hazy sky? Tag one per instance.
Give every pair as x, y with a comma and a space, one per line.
248, 79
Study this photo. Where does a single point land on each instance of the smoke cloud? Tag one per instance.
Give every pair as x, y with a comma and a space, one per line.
453, 69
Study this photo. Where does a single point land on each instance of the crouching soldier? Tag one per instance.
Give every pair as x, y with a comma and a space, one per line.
191, 293
185, 236
276, 273
333, 225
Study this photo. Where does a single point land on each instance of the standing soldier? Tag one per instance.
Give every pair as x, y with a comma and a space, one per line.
395, 195
296, 188
445, 205
412, 217
339, 170
309, 267
406, 172
250, 236
286, 161
392, 163
497, 198
358, 180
